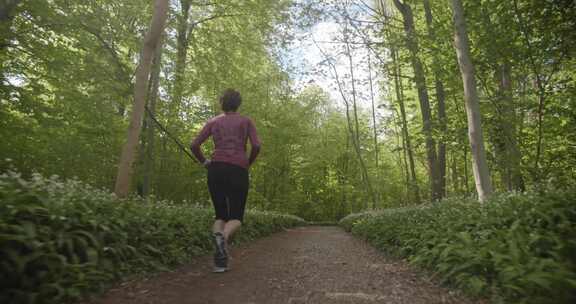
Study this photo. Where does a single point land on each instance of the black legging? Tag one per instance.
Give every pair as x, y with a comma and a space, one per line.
228, 185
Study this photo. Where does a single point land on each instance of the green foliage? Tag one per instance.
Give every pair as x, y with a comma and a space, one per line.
516, 248
66, 85
60, 240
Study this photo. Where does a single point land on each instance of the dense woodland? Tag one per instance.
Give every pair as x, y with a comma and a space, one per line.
446, 136
68, 76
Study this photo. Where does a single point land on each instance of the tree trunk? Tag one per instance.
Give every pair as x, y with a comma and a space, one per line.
150, 125
441, 142
6, 16
407, 168
356, 144
466, 180
536, 69
511, 160
400, 99
344, 176
479, 164
182, 41
402, 155
366, 177
455, 180
7, 8
374, 127
354, 106
441, 104
125, 170
505, 139
420, 80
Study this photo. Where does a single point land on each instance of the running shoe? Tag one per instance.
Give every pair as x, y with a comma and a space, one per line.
220, 244
220, 254
219, 269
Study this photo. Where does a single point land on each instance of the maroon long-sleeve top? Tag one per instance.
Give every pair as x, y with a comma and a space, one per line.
230, 132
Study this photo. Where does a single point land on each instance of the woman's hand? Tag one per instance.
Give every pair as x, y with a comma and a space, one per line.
206, 163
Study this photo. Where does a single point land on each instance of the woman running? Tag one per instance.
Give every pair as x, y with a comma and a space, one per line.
227, 170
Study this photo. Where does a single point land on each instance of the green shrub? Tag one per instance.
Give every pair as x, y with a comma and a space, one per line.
517, 248
60, 240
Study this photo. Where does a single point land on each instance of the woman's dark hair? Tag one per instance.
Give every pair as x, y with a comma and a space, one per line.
230, 100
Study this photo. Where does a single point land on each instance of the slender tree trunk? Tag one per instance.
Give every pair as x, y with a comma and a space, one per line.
540, 136
455, 180
353, 135
442, 142
466, 175
506, 138
366, 177
441, 104
150, 126
353, 83
400, 99
6, 16
420, 80
402, 155
363, 168
407, 168
376, 156
540, 83
513, 175
345, 169
479, 164
125, 170
7, 8
182, 41
462, 142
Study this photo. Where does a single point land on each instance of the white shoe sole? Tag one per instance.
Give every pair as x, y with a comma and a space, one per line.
219, 270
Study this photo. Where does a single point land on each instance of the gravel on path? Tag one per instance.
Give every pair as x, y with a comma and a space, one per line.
306, 265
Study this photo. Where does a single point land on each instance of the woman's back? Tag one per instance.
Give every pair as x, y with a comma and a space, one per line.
230, 132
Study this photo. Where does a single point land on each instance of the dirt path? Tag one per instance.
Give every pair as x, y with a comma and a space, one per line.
308, 265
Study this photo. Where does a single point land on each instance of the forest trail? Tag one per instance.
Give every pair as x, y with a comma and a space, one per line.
307, 265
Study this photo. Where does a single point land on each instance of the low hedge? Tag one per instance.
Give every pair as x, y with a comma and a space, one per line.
61, 240
516, 248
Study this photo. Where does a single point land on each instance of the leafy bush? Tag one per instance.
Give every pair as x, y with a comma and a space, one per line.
60, 240
517, 248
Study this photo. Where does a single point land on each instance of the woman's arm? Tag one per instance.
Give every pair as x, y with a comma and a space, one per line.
254, 142
201, 138
253, 154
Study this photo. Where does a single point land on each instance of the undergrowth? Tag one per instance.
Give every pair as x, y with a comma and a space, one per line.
61, 240
515, 248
